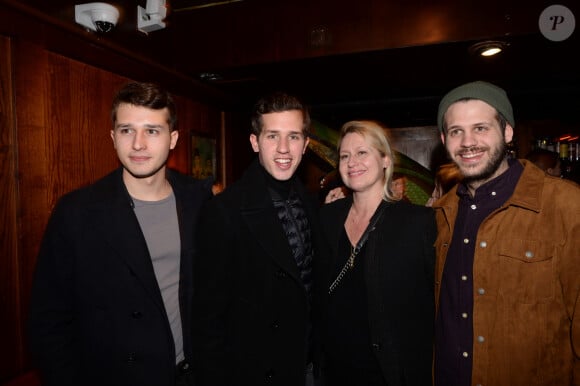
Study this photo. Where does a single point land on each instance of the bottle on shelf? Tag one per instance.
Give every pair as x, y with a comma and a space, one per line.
568, 148
573, 172
563, 147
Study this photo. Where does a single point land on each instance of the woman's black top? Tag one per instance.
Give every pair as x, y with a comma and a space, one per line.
349, 357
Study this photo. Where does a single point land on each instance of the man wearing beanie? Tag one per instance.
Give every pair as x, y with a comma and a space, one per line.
508, 256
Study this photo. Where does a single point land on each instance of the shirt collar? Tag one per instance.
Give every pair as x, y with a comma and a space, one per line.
500, 187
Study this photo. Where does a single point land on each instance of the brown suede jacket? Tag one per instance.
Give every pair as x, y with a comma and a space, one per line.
526, 276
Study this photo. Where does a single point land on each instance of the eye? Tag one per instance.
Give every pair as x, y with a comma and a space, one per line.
295, 137
126, 130
342, 157
453, 132
152, 131
271, 136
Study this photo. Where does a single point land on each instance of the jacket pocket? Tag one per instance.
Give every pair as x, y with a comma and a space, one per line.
526, 269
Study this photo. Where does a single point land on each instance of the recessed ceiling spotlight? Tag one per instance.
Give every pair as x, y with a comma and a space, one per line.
488, 47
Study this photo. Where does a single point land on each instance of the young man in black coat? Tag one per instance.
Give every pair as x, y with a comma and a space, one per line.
256, 271
111, 298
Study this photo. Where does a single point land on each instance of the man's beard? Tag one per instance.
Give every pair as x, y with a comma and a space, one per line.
497, 155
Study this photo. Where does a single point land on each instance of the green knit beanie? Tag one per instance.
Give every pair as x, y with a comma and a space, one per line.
491, 94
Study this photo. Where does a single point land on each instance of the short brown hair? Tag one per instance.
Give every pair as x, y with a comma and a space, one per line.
278, 102
147, 95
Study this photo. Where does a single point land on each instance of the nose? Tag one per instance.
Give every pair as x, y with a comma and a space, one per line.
468, 139
282, 145
139, 142
351, 161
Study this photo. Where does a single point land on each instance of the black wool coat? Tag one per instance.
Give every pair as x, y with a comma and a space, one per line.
399, 271
97, 316
252, 312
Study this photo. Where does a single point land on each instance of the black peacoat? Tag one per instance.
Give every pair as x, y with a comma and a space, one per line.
252, 312
97, 316
399, 269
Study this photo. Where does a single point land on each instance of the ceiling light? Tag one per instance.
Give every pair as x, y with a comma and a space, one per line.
488, 48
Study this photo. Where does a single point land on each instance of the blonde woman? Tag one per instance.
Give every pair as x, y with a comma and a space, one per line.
380, 307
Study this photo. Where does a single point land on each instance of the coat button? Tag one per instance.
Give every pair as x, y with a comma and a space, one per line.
280, 274
132, 357
376, 346
269, 376
275, 325
136, 314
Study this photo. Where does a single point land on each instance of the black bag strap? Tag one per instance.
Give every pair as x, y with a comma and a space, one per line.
361, 242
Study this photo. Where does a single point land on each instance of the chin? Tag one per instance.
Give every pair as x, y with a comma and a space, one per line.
282, 175
143, 173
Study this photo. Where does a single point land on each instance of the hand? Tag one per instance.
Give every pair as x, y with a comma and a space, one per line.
335, 194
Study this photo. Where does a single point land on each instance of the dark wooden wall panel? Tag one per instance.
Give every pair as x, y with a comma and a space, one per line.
10, 321
192, 118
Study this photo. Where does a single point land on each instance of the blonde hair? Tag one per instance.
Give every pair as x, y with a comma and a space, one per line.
377, 136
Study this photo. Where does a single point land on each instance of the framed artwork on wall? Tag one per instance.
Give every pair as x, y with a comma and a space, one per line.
204, 157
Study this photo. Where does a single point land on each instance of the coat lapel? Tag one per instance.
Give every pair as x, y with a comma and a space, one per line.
335, 226
115, 219
259, 213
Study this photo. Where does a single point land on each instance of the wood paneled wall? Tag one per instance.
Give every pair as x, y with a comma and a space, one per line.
55, 122
10, 326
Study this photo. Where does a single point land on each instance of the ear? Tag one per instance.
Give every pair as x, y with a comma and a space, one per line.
113, 138
509, 133
386, 162
306, 144
254, 142
174, 136
443, 137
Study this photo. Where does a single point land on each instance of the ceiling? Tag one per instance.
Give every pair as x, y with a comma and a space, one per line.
375, 61
402, 87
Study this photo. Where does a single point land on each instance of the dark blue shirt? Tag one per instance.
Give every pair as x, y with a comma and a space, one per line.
454, 323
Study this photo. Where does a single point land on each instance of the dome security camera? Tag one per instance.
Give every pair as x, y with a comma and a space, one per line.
100, 17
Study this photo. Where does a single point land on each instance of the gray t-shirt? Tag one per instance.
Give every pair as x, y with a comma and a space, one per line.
159, 224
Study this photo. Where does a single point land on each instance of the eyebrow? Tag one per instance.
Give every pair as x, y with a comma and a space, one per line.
147, 126
278, 131
152, 126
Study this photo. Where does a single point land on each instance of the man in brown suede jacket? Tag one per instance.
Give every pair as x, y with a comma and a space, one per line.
508, 256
